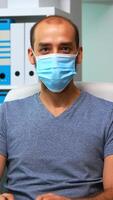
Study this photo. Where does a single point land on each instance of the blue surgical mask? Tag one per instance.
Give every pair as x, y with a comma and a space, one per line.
56, 70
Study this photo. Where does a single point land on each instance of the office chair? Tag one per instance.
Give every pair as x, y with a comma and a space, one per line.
102, 90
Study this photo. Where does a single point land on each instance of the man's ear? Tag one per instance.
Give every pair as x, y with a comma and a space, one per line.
79, 56
31, 56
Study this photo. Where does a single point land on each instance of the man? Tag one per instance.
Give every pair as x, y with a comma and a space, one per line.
58, 144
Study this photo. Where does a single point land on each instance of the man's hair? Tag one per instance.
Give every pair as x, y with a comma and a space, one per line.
49, 19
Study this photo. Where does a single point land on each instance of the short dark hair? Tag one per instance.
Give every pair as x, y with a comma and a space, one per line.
54, 17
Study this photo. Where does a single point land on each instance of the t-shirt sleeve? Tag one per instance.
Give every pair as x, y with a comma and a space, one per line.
108, 147
3, 145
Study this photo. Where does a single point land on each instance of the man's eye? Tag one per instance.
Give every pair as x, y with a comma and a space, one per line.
44, 50
66, 49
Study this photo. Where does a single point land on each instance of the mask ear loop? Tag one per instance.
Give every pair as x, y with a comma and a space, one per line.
76, 57
35, 68
76, 54
76, 60
33, 53
34, 56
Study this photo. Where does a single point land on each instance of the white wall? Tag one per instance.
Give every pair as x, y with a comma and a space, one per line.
97, 31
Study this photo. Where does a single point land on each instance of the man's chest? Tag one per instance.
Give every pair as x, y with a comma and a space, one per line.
74, 142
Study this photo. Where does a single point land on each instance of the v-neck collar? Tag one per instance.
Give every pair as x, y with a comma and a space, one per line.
75, 103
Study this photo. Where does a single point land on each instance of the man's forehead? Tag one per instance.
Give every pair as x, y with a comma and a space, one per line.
55, 26
55, 21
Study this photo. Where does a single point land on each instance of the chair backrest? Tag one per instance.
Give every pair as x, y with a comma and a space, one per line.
102, 90
21, 92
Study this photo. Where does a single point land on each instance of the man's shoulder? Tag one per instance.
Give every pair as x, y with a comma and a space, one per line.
18, 103
100, 103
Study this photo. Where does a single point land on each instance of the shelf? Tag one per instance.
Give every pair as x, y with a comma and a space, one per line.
31, 15
7, 87
8, 12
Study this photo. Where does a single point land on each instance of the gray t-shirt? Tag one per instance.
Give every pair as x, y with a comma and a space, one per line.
63, 154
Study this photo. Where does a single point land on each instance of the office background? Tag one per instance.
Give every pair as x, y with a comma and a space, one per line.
97, 40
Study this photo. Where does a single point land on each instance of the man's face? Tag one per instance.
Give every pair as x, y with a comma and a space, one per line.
54, 38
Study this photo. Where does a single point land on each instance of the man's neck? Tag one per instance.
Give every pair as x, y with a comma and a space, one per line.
63, 99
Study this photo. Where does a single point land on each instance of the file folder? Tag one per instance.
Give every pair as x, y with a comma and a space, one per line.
5, 75
30, 72
5, 52
3, 94
17, 54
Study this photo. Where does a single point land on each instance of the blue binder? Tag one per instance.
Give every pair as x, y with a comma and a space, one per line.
5, 51
5, 72
3, 94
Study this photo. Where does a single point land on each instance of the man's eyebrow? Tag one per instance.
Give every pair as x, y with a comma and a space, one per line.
66, 43
47, 44
41, 44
